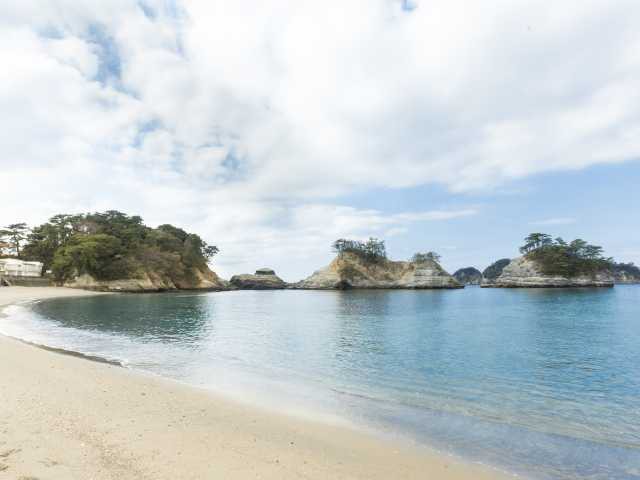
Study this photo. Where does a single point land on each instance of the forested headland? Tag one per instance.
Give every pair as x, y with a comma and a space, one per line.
107, 246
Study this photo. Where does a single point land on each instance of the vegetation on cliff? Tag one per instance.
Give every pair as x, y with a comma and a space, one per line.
556, 257
420, 257
112, 245
494, 270
372, 250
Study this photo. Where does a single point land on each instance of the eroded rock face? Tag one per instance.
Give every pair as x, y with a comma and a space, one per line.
468, 276
202, 279
523, 272
349, 270
263, 279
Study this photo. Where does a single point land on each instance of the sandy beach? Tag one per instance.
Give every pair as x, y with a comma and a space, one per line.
63, 417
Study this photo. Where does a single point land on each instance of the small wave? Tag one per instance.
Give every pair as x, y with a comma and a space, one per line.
73, 353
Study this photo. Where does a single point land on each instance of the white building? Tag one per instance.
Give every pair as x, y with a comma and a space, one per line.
12, 267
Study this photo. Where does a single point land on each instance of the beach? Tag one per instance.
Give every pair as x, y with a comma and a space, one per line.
63, 417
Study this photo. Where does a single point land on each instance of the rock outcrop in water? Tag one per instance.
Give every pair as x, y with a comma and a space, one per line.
468, 276
524, 272
263, 279
350, 270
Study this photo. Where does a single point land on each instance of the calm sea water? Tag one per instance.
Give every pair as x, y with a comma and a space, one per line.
544, 383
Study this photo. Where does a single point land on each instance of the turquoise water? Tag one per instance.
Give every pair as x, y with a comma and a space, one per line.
545, 383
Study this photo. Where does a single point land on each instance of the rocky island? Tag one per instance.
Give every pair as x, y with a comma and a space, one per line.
365, 265
263, 279
548, 262
468, 276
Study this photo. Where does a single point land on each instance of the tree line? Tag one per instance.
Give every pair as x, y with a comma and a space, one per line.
374, 250
568, 259
107, 245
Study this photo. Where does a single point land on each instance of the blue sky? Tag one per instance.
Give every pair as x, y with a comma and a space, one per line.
273, 128
598, 204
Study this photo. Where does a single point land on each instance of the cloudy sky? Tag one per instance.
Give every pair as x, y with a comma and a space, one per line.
273, 127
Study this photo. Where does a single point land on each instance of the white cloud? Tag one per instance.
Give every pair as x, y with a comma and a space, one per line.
288, 236
244, 119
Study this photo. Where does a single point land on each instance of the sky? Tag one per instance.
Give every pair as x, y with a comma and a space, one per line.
273, 128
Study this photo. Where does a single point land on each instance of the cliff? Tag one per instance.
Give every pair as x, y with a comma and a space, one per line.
350, 270
468, 276
150, 281
263, 279
524, 272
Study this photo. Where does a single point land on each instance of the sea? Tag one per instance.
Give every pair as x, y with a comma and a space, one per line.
543, 383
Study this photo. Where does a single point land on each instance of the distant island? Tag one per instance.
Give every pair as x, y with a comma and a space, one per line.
626, 273
365, 265
468, 276
548, 262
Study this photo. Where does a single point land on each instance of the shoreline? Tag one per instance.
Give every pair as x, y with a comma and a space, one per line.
68, 418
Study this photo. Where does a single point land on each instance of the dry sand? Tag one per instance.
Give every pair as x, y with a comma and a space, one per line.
63, 417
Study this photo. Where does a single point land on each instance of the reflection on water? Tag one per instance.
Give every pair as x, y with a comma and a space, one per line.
181, 318
545, 382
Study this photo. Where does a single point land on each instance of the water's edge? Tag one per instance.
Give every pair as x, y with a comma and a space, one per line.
304, 414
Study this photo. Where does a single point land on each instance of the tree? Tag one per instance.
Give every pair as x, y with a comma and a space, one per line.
420, 257
113, 245
375, 248
534, 241
44, 240
371, 250
14, 235
128, 229
96, 255
557, 257
210, 251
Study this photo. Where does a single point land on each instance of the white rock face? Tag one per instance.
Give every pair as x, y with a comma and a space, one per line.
349, 270
204, 279
522, 272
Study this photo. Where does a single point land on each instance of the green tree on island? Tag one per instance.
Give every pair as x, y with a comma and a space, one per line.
420, 257
371, 250
44, 240
534, 241
557, 257
113, 245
